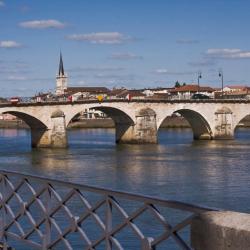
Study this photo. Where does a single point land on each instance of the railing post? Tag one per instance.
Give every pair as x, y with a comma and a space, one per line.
146, 243
108, 223
47, 234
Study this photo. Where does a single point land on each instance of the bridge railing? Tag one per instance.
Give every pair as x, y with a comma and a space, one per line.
44, 213
94, 101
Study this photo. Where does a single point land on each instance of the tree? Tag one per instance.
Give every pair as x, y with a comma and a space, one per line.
177, 84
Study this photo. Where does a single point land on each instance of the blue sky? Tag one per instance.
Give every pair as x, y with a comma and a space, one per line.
132, 43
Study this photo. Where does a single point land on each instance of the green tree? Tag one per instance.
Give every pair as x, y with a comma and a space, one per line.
177, 84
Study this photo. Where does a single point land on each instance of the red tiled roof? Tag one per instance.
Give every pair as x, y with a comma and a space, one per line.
156, 89
132, 93
96, 90
192, 88
115, 92
135, 93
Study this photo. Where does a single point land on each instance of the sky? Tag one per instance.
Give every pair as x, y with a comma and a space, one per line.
115, 43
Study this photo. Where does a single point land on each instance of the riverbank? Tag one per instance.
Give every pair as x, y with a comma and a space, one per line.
169, 122
13, 124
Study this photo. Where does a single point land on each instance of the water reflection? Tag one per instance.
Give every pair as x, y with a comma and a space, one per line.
13, 132
214, 173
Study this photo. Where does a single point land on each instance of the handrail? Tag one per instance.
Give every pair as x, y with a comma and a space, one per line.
52, 197
169, 203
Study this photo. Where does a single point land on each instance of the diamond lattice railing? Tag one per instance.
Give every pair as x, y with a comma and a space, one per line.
51, 214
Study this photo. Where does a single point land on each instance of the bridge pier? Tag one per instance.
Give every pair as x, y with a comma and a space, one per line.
54, 137
224, 128
144, 131
40, 138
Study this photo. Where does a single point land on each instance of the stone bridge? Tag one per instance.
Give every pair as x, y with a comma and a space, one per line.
136, 121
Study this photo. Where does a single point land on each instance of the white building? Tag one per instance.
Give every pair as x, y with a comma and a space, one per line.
152, 91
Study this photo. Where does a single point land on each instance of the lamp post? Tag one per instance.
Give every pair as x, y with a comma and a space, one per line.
222, 83
199, 77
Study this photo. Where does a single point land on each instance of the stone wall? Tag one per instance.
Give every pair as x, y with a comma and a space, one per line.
223, 230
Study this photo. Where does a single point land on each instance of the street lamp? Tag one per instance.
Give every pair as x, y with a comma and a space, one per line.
221, 76
199, 77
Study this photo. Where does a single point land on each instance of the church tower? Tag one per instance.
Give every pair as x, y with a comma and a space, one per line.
61, 78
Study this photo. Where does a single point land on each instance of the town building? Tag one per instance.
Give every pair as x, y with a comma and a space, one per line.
8, 117
155, 91
80, 93
75, 93
61, 79
236, 92
116, 93
131, 94
187, 91
233, 92
234, 88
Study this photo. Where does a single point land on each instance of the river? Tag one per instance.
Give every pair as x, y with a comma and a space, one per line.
211, 173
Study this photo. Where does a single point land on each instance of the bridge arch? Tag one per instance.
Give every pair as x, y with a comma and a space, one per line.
30, 120
122, 120
199, 124
240, 118
37, 127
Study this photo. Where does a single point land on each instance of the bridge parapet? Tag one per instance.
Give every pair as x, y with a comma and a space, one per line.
221, 230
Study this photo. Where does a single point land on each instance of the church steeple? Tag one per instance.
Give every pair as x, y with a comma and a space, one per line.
61, 69
61, 78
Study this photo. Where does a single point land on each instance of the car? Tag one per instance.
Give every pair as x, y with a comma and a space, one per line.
199, 96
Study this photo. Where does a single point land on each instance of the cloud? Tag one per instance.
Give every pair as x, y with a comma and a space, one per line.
202, 63
16, 78
228, 53
11, 67
25, 8
2, 4
187, 41
9, 44
42, 24
125, 56
101, 38
161, 71
167, 72
96, 69
121, 78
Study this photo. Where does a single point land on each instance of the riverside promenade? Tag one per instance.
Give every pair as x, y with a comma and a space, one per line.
47, 213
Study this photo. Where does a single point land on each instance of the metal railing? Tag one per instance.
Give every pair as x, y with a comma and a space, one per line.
94, 101
45, 213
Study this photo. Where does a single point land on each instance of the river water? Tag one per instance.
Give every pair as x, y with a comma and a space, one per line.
211, 173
